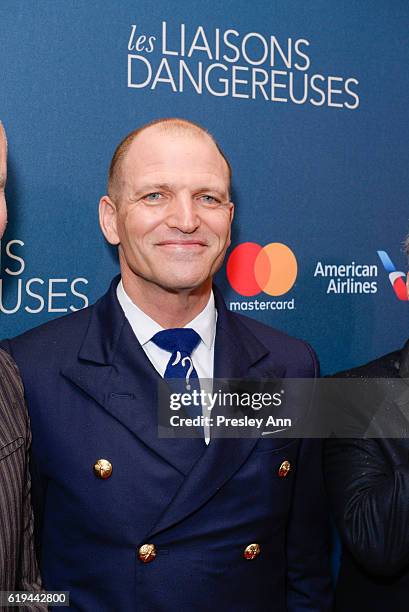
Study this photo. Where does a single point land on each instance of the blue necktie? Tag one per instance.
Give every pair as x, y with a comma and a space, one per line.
180, 342
180, 371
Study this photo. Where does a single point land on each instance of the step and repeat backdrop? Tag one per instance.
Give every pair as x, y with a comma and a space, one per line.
308, 101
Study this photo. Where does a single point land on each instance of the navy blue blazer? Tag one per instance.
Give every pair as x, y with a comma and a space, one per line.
91, 392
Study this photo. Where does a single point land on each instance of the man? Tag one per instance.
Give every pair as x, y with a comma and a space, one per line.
18, 565
367, 477
132, 521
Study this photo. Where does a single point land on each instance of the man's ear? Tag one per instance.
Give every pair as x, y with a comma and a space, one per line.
108, 216
3, 176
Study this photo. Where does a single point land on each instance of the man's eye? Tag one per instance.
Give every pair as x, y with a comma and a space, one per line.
208, 199
152, 197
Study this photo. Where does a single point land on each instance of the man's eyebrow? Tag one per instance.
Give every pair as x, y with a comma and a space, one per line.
144, 188
214, 188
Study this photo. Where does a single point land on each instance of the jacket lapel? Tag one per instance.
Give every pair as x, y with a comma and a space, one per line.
397, 393
391, 417
404, 363
238, 354
114, 370
401, 399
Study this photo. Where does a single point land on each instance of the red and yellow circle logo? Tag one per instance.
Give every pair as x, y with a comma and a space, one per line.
271, 269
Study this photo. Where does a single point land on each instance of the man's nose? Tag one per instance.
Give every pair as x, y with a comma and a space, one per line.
184, 214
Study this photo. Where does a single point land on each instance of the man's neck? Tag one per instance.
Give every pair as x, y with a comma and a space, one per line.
168, 308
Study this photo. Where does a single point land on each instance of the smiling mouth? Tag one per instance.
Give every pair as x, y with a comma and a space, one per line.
182, 243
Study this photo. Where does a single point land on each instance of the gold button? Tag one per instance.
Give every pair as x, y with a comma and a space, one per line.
103, 468
147, 552
252, 551
284, 468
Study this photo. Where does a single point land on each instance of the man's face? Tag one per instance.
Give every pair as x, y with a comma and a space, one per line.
173, 215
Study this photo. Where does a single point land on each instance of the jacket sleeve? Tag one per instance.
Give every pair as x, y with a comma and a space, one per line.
27, 575
370, 502
309, 585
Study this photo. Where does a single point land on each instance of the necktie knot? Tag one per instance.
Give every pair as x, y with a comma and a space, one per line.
180, 371
180, 342
182, 339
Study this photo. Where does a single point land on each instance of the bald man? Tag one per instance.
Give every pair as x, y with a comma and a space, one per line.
18, 565
132, 521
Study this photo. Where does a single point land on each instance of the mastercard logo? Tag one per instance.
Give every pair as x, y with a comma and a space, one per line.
252, 269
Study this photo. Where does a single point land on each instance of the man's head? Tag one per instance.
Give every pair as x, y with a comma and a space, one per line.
170, 125
168, 206
3, 175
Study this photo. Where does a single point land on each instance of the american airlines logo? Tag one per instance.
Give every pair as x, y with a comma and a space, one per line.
396, 278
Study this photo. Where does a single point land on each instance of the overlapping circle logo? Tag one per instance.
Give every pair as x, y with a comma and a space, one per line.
252, 268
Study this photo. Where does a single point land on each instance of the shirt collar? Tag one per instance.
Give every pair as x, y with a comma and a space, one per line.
145, 328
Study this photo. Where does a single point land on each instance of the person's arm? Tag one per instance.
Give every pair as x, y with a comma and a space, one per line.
17, 523
28, 575
27, 572
309, 586
370, 501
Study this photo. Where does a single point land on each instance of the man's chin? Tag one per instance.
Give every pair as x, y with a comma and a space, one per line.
185, 283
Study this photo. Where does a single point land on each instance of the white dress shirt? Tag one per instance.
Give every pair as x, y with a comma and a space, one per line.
145, 328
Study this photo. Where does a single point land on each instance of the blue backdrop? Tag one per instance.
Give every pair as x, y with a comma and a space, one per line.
327, 177
308, 100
